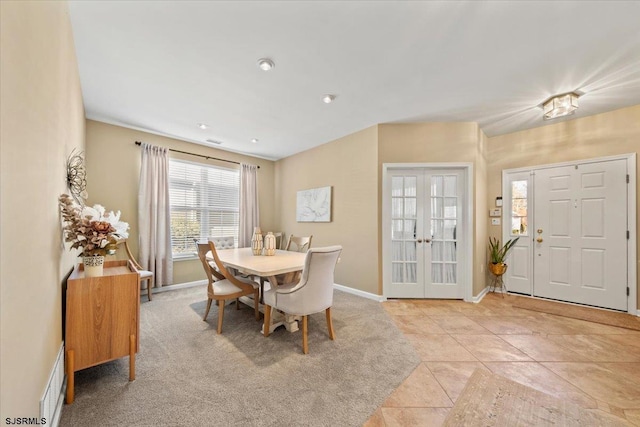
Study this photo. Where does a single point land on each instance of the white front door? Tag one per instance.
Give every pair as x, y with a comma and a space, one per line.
580, 234
423, 231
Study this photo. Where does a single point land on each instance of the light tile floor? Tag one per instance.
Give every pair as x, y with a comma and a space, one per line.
592, 365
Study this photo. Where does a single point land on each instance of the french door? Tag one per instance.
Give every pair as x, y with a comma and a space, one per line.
423, 233
572, 223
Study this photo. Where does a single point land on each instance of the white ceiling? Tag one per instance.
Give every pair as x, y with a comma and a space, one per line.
164, 66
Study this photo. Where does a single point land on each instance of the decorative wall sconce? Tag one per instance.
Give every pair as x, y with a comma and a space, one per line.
77, 177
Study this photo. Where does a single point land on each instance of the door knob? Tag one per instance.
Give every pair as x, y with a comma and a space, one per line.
427, 240
539, 240
419, 240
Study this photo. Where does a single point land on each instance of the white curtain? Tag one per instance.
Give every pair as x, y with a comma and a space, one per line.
249, 212
154, 215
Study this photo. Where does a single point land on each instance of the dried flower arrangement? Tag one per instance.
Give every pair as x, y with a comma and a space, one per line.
90, 229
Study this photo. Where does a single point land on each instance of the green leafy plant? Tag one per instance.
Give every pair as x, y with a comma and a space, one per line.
498, 253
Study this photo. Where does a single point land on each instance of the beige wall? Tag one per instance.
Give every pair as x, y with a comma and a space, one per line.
616, 132
441, 143
349, 166
113, 172
42, 122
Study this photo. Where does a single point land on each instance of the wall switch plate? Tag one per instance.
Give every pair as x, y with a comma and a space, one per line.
498, 201
495, 212
495, 221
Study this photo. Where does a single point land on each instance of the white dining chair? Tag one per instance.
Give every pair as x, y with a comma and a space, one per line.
225, 242
312, 294
298, 244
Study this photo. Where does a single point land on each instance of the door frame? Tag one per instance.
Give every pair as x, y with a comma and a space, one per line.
632, 283
466, 271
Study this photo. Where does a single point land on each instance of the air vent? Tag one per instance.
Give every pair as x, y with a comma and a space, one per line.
213, 141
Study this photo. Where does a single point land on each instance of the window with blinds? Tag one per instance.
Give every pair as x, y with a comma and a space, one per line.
204, 203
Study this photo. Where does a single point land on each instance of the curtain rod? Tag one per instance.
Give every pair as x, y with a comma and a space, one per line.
200, 155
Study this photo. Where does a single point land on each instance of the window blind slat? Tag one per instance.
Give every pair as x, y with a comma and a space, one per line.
204, 203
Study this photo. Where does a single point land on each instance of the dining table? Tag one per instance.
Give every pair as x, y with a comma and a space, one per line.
271, 268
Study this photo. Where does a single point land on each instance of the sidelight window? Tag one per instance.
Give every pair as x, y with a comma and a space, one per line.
519, 211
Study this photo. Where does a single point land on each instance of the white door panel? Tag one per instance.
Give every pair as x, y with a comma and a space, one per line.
518, 277
445, 218
407, 274
519, 263
580, 212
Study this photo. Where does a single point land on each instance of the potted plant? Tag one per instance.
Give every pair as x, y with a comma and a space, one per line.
498, 254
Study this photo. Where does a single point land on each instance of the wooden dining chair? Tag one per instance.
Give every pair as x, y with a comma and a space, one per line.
298, 244
312, 294
225, 242
223, 286
145, 275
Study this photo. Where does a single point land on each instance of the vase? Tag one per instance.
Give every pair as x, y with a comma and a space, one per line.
256, 241
269, 244
93, 265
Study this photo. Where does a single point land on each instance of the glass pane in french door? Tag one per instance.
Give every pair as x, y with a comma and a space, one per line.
444, 224
404, 217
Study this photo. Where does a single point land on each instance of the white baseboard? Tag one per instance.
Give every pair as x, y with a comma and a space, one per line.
343, 288
178, 286
481, 295
53, 396
359, 293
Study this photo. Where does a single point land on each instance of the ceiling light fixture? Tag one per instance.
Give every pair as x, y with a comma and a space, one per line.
202, 126
560, 105
328, 99
254, 140
265, 64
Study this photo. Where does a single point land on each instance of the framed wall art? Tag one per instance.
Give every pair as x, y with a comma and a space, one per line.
314, 205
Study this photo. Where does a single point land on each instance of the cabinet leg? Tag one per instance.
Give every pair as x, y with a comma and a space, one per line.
132, 357
70, 377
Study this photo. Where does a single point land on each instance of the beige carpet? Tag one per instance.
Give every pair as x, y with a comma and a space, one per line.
621, 320
188, 375
491, 400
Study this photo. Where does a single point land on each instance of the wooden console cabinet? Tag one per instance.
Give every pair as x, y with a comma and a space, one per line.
102, 320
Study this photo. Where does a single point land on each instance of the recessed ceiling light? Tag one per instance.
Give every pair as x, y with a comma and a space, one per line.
328, 99
202, 126
254, 140
265, 64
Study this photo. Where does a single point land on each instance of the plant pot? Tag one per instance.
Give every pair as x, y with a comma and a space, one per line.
93, 265
498, 269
